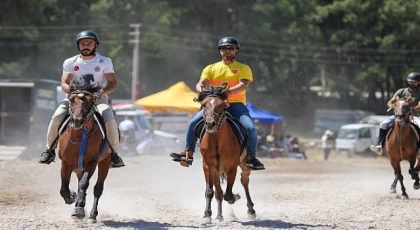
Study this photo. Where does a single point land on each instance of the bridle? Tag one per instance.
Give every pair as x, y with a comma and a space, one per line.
220, 117
405, 113
81, 94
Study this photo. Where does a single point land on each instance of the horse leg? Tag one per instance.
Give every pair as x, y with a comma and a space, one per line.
414, 174
103, 168
245, 182
79, 209
229, 196
218, 195
209, 175
68, 195
399, 176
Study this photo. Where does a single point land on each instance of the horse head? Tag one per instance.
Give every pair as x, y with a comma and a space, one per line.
82, 100
402, 110
214, 103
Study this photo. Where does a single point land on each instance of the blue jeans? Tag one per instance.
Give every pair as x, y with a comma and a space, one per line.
240, 112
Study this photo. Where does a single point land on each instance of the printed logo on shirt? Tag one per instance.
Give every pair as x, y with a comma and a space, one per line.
87, 78
101, 61
76, 68
97, 69
234, 71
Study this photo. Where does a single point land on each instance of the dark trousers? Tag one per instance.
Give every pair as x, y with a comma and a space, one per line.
326, 153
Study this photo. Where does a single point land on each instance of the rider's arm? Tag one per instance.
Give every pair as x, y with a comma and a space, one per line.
392, 102
112, 83
65, 82
201, 84
245, 77
417, 107
243, 85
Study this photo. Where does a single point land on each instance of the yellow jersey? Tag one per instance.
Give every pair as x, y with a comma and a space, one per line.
219, 73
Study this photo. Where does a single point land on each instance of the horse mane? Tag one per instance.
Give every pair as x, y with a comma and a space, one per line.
83, 86
216, 91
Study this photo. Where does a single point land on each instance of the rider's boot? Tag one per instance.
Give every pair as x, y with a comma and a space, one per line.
47, 157
254, 164
184, 158
116, 161
378, 148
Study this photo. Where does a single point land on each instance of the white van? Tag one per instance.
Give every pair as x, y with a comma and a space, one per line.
356, 138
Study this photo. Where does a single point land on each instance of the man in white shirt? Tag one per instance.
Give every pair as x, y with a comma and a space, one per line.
127, 129
327, 143
97, 69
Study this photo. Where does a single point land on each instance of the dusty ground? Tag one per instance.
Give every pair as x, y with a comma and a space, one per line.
154, 193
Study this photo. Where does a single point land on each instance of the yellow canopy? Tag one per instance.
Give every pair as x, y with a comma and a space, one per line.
178, 97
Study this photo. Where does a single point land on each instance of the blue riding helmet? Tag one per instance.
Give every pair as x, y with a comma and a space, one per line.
228, 41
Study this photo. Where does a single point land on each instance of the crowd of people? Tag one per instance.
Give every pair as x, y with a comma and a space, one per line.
283, 146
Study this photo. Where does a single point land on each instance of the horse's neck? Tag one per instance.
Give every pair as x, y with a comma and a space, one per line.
78, 132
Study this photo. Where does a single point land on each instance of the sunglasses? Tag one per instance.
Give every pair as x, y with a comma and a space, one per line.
227, 48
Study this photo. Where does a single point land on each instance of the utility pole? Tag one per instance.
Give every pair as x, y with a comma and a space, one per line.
135, 68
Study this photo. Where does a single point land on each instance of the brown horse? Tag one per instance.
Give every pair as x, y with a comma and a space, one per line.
80, 150
402, 144
222, 153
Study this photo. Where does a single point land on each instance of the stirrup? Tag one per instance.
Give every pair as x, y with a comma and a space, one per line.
47, 157
182, 159
376, 149
116, 161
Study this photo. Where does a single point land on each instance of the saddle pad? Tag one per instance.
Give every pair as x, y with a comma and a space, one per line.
235, 124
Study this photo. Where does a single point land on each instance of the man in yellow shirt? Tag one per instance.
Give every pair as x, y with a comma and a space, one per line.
238, 76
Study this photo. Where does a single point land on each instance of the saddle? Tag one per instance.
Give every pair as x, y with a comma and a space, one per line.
414, 128
99, 120
235, 124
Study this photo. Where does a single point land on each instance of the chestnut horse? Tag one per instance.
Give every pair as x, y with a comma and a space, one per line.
80, 149
222, 152
402, 144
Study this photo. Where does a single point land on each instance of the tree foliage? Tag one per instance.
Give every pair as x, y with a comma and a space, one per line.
353, 47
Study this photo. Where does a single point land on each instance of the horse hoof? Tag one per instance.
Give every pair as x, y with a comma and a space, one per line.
91, 221
219, 219
252, 216
78, 213
236, 197
206, 220
416, 187
404, 197
392, 191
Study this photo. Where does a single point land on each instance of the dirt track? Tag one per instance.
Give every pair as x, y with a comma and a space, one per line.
154, 193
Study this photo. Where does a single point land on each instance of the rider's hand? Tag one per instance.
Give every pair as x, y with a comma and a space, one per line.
98, 95
199, 87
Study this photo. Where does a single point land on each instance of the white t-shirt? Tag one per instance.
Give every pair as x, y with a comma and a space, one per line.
127, 125
325, 142
93, 70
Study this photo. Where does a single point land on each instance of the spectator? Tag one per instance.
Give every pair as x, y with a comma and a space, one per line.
328, 143
273, 150
127, 129
289, 144
297, 147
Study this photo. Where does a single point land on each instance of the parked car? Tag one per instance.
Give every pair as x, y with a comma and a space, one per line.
356, 138
147, 140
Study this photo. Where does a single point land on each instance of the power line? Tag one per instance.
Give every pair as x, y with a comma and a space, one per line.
206, 34
278, 51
